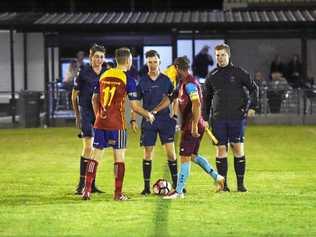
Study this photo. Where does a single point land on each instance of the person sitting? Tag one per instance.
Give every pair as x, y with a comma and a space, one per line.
276, 90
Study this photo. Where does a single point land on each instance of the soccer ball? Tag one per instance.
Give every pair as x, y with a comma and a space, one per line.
162, 187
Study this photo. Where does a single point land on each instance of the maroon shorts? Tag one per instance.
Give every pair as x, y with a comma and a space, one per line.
190, 145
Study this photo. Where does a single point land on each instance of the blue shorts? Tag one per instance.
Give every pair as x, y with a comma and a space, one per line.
165, 127
105, 138
229, 131
86, 121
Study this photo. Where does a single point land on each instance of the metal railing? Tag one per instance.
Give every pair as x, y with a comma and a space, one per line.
301, 101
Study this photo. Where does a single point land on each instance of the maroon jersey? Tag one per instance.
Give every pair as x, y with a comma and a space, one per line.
113, 87
189, 89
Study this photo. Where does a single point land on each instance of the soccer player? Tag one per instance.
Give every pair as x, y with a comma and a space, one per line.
229, 104
86, 80
171, 72
192, 128
152, 88
110, 131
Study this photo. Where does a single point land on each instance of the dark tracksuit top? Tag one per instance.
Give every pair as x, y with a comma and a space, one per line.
225, 95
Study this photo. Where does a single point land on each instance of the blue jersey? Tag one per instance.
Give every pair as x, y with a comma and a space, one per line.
85, 82
153, 91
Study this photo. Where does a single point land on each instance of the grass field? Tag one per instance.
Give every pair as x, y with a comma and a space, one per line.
39, 171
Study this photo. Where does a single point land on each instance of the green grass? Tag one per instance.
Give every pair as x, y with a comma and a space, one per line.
39, 171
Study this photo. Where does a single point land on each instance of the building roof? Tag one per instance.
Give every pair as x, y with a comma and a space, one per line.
167, 19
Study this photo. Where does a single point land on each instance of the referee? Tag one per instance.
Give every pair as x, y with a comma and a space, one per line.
229, 96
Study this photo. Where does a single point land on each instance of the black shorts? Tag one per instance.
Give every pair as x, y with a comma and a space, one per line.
86, 121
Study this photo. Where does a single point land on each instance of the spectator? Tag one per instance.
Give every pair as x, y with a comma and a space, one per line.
262, 84
80, 57
276, 90
277, 68
294, 77
201, 62
70, 75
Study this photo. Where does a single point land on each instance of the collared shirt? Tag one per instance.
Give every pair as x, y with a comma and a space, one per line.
85, 82
224, 92
153, 91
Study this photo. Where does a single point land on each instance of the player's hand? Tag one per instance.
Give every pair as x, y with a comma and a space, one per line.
206, 125
195, 130
251, 113
150, 117
134, 126
78, 123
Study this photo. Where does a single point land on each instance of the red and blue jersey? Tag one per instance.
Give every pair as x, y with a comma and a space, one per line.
189, 90
114, 85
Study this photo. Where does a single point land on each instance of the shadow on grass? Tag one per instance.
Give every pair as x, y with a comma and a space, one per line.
44, 199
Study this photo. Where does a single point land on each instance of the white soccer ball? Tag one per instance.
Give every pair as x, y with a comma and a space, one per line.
162, 187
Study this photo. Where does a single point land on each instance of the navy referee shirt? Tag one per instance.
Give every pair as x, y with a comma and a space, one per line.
153, 91
85, 83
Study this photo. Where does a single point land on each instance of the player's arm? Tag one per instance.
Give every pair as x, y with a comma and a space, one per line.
95, 103
137, 108
253, 92
193, 93
74, 98
196, 111
133, 97
133, 121
207, 98
164, 103
167, 100
74, 101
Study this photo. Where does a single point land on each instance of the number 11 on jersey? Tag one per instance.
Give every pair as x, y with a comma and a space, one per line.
108, 96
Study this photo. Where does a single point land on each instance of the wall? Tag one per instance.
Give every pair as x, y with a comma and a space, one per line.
35, 62
5, 74
35, 58
257, 54
311, 58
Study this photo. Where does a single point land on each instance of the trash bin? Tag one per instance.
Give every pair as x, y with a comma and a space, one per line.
29, 108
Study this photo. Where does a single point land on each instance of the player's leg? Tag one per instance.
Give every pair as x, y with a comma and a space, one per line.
205, 165
99, 142
167, 130
86, 118
237, 144
186, 150
86, 135
119, 173
220, 131
148, 140
172, 162
88, 144
91, 171
147, 167
119, 150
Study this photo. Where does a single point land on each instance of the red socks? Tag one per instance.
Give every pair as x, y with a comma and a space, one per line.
91, 171
119, 171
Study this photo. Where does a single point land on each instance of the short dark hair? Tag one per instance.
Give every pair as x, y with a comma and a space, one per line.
183, 63
96, 48
122, 55
152, 53
223, 46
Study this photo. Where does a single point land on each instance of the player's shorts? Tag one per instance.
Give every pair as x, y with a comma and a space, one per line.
229, 131
106, 138
165, 127
86, 121
190, 145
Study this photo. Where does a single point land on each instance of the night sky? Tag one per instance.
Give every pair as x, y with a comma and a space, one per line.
106, 5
